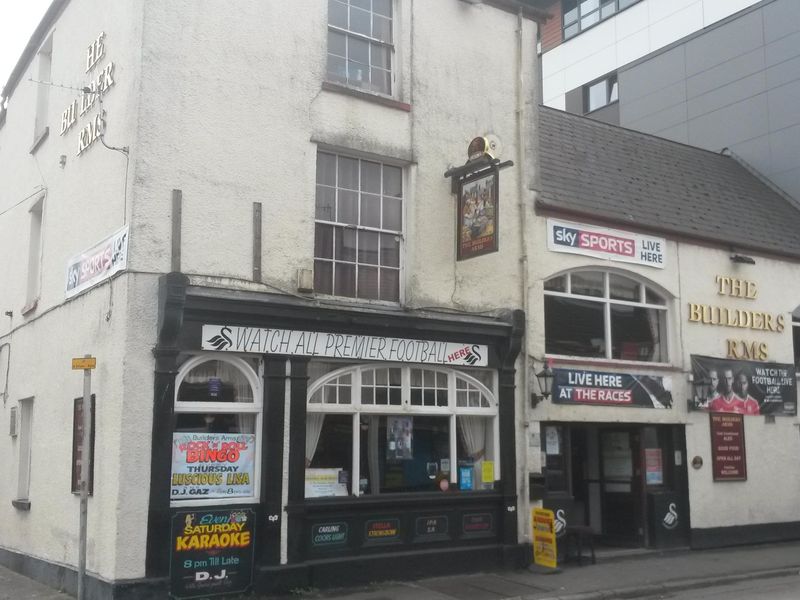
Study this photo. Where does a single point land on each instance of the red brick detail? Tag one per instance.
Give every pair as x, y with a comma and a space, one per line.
551, 30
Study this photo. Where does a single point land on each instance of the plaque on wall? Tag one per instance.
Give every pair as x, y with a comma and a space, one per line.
378, 531
329, 534
431, 528
728, 456
477, 525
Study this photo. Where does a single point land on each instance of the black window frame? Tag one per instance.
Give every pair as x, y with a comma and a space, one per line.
567, 6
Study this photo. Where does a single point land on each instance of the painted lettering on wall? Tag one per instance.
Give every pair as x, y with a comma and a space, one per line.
102, 79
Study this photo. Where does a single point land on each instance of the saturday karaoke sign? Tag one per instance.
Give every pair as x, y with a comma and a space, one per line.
571, 386
228, 338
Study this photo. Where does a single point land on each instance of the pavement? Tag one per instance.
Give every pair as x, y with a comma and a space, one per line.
617, 575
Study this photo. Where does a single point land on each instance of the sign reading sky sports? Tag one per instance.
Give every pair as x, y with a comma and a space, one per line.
611, 244
225, 338
98, 263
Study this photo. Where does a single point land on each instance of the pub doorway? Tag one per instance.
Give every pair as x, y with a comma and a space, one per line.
627, 482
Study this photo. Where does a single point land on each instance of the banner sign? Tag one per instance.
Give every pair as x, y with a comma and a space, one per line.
544, 538
610, 244
225, 338
745, 387
98, 263
212, 465
729, 460
572, 386
212, 553
477, 229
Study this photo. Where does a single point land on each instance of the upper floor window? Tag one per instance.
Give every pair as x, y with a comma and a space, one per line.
359, 228
582, 14
601, 93
601, 314
360, 44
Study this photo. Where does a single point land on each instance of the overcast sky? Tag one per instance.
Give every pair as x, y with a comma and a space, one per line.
18, 19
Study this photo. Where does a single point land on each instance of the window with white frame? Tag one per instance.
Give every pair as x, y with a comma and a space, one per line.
603, 314
359, 228
217, 436
34, 255
360, 44
381, 429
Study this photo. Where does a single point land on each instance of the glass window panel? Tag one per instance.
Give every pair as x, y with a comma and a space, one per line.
390, 250
215, 423
215, 381
323, 277
329, 394
570, 11
574, 327
358, 50
360, 21
365, 4
370, 177
588, 6
416, 397
344, 280
337, 68
371, 212
337, 43
570, 31
337, 14
381, 396
344, 394
345, 246
395, 396
368, 248
613, 96
381, 80
652, 297
367, 395
607, 10
622, 288
590, 20
588, 283
348, 173
636, 333
597, 96
335, 446
428, 378
382, 7
392, 214
382, 28
357, 73
390, 285
323, 241
626, 3
326, 169
326, 203
348, 207
395, 376
392, 181
367, 377
381, 377
556, 284
368, 282
441, 380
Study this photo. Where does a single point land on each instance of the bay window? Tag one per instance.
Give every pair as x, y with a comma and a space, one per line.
393, 428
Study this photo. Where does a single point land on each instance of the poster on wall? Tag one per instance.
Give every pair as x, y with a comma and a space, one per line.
654, 466
477, 230
212, 553
212, 465
399, 438
573, 386
320, 483
745, 387
728, 455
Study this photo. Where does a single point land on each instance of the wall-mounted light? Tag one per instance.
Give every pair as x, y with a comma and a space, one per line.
545, 380
700, 388
742, 259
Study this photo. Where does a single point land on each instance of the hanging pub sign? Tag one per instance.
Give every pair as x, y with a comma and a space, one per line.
477, 231
744, 387
212, 553
728, 456
572, 386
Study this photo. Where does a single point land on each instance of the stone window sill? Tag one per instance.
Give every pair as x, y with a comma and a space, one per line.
21, 504
39, 140
382, 100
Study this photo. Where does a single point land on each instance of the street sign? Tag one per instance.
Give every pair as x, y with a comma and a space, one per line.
87, 362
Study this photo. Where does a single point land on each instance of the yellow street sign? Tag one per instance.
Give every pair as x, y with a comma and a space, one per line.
87, 362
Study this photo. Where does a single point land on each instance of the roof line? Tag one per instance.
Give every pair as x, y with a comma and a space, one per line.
544, 208
31, 48
764, 179
636, 131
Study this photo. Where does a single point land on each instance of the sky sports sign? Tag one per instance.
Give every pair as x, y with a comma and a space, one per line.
611, 244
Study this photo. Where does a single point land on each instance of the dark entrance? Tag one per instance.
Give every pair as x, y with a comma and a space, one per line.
618, 479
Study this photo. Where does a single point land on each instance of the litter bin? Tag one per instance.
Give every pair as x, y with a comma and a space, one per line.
668, 520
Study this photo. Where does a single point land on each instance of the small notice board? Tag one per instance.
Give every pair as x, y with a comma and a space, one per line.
544, 538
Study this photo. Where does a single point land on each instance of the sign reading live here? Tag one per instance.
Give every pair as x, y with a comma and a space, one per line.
573, 386
611, 244
228, 338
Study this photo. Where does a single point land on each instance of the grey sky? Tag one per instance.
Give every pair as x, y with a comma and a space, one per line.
18, 19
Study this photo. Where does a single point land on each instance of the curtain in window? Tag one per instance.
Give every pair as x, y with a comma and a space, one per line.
373, 457
473, 434
314, 423
653, 322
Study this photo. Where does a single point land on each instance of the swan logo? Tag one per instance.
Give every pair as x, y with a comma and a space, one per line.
561, 522
222, 340
670, 520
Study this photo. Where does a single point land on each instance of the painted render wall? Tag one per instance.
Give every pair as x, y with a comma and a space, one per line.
770, 492
84, 203
633, 33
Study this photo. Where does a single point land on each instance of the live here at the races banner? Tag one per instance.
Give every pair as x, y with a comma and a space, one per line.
572, 386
